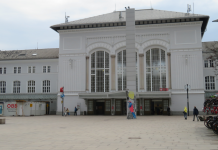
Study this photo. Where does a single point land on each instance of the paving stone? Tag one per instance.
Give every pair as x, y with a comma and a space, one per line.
105, 132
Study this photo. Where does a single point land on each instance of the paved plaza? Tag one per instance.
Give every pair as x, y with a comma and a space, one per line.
105, 133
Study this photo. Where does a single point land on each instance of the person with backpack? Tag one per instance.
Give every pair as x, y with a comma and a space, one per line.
195, 113
75, 111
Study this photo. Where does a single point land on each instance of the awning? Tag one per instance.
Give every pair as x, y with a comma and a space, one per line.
122, 95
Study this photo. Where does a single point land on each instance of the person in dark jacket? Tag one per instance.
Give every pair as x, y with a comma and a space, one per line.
168, 111
195, 113
75, 111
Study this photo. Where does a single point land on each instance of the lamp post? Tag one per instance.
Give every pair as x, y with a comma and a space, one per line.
187, 87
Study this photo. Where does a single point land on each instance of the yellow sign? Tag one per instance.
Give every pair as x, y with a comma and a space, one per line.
131, 94
31, 105
61, 102
47, 105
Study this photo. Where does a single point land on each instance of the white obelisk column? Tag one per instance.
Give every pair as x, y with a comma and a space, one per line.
130, 50
130, 58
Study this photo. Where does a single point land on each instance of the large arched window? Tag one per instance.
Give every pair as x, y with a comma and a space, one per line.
155, 69
121, 71
100, 71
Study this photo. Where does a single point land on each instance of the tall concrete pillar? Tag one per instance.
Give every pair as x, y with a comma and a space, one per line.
141, 71
169, 70
130, 50
87, 73
113, 75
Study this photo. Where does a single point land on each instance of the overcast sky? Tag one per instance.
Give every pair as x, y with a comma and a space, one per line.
23, 23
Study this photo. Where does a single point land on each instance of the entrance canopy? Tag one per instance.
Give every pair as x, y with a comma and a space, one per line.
122, 95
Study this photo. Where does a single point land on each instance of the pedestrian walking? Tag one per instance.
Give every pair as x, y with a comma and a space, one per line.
68, 112
75, 111
168, 110
195, 113
185, 113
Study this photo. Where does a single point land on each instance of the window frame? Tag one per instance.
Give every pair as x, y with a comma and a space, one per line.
105, 74
209, 83
46, 69
160, 66
116, 70
208, 62
31, 69
3, 85
16, 88
30, 87
46, 86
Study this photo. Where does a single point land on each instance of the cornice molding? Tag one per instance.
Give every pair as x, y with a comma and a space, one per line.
34, 96
137, 27
186, 49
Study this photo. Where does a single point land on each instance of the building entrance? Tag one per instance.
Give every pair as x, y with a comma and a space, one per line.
100, 108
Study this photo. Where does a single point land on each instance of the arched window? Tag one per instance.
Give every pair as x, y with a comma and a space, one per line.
209, 83
16, 87
155, 69
2, 87
46, 86
31, 86
121, 71
100, 71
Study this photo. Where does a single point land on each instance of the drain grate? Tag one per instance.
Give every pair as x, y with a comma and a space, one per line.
134, 138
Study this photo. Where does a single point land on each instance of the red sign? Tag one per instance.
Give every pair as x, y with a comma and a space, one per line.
140, 107
112, 107
62, 89
163, 89
12, 105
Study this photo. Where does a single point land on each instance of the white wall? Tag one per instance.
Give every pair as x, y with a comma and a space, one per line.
24, 76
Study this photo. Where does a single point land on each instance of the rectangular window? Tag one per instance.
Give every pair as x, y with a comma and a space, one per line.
19, 69
48, 69
118, 105
15, 69
165, 104
206, 63
209, 83
29, 69
147, 105
90, 106
0, 70
46, 86
209, 63
4, 70
108, 106
44, 69
34, 68
16, 87
2, 87
31, 86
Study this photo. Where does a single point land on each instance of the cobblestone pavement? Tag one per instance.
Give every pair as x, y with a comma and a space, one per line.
105, 133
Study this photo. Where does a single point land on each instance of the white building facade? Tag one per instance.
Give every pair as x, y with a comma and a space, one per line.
29, 76
168, 47
91, 64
